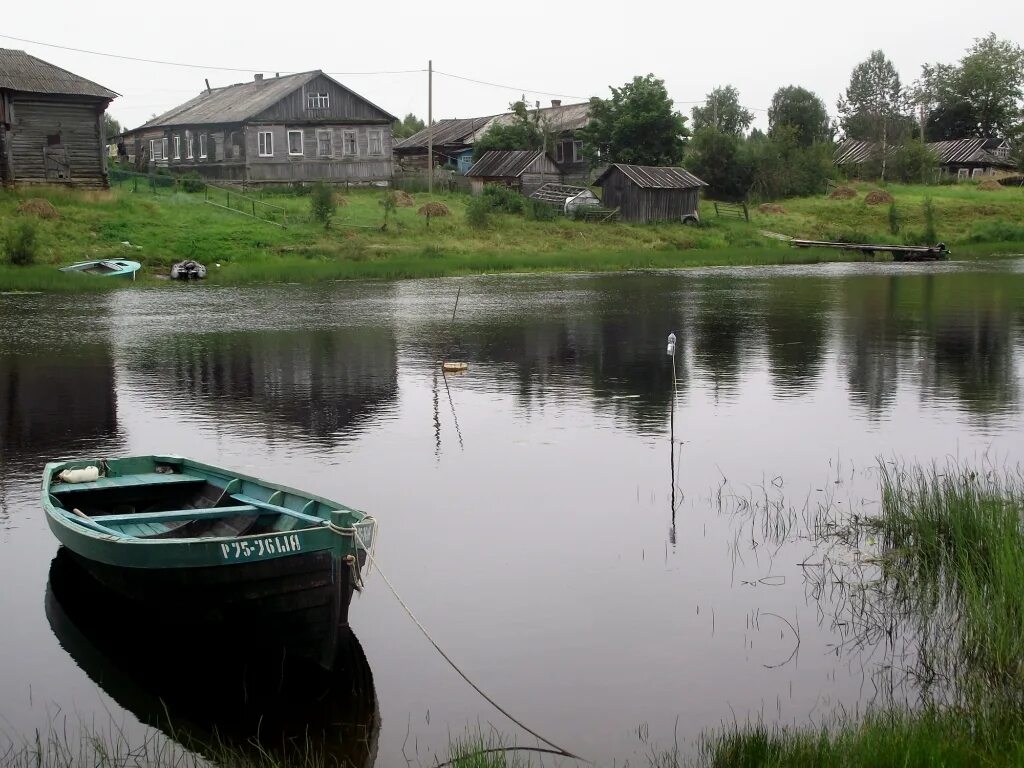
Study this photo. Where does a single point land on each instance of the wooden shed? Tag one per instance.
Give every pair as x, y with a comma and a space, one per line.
521, 169
645, 193
51, 124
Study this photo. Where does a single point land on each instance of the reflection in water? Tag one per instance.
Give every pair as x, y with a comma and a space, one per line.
53, 401
202, 694
322, 382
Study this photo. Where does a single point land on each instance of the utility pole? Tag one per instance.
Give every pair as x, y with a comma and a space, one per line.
922, 123
430, 127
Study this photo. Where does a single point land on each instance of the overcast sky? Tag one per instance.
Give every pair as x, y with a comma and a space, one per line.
541, 49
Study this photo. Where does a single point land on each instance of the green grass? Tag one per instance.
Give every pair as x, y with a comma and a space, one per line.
170, 226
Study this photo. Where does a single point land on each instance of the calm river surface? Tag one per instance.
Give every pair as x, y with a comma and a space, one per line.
600, 581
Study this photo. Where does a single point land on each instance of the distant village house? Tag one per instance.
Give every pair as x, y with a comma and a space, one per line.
292, 128
523, 170
961, 158
453, 140
51, 124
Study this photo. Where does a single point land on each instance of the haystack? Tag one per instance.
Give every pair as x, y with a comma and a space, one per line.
404, 199
772, 209
990, 185
339, 200
433, 209
843, 193
878, 196
37, 206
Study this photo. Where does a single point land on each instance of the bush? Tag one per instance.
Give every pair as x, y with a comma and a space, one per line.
997, 231
478, 212
930, 236
539, 211
193, 182
21, 243
299, 189
322, 204
503, 199
894, 219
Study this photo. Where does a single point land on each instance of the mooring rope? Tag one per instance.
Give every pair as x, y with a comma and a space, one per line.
453, 665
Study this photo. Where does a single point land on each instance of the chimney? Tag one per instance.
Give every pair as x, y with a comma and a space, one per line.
258, 78
208, 88
556, 102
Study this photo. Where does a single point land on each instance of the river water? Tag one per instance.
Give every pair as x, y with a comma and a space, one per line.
594, 540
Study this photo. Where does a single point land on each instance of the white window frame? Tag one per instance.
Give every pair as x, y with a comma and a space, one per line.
302, 143
344, 143
188, 146
330, 142
265, 143
577, 151
370, 136
318, 100
977, 172
177, 147
163, 148
152, 150
202, 146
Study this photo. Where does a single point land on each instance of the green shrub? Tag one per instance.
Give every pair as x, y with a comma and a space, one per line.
537, 210
478, 212
322, 205
996, 231
21, 243
894, 219
193, 182
299, 189
930, 235
503, 199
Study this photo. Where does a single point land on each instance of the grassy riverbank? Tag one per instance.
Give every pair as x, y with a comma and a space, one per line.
159, 229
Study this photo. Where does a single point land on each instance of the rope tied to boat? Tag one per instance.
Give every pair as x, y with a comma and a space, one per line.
370, 558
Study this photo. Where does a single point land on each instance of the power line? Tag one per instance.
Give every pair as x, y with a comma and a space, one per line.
509, 87
197, 66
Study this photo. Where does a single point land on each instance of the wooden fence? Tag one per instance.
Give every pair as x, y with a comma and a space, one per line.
732, 211
232, 200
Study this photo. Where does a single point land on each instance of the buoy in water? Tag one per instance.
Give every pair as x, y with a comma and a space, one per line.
449, 365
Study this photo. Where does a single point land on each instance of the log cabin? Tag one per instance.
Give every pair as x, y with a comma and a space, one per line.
271, 130
51, 124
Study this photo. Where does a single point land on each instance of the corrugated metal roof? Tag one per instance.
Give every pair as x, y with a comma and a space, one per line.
447, 132
237, 103
504, 163
465, 131
853, 151
970, 151
556, 193
655, 177
21, 72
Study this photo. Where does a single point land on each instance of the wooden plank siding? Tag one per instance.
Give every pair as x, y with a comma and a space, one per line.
345, 106
638, 204
54, 140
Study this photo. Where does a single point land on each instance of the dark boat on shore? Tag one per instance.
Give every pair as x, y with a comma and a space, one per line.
188, 270
225, 702
268, 566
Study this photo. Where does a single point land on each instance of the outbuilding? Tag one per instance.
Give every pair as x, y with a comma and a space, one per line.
645, 193
51, 124
523, 170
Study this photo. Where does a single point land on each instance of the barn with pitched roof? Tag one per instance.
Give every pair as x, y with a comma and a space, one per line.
282, 129
51, 124
645, 193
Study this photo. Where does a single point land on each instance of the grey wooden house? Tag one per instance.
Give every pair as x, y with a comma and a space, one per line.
51, 124
644, 193
302, 127
524, 170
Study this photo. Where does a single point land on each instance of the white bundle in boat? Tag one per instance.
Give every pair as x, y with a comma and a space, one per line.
83, 475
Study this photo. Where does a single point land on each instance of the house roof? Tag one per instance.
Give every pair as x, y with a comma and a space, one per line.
553, 192
852, 151
241, 101
20, 71
654, 177
464, 131
451, 131
970, 151
505, 162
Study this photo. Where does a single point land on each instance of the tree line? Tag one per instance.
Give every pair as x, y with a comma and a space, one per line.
979, 96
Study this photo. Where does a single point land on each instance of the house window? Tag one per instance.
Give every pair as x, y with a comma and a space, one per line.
152, 149
376, 143
962, 173
163, 147
559, 153
177, 147
323, 144
188, 146
577, 151
294, 142
202, 145
318, 101
266, 142
349, 145
976, 173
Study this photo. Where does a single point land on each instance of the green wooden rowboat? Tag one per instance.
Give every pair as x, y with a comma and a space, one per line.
220, 550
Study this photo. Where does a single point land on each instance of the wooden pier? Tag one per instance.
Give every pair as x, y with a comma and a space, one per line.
899, 252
